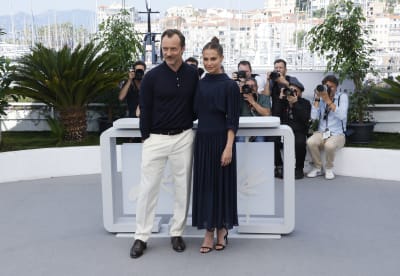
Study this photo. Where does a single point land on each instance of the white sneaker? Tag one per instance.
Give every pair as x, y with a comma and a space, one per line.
314, 172
329, 174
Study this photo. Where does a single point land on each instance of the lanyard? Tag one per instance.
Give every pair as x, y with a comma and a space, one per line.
326, 114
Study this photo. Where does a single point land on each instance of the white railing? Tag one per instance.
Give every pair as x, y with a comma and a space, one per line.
32, 117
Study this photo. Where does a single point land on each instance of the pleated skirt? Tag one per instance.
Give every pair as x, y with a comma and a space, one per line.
214, 187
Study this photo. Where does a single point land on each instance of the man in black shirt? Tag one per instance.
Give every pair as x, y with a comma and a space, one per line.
166, 121
295, 112
276, 81
130, 88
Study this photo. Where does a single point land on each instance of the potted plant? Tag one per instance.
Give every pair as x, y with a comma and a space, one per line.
360, 116
117, 35
343, 39
67, 80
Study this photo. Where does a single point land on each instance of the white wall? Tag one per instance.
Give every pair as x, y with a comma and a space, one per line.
56, 162
49, 162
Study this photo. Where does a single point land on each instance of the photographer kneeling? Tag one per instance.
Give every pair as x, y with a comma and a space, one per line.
253, 104
294, 111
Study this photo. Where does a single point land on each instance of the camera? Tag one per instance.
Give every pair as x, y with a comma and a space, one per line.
240, 75
139, 73
289, 92
246, 89
274, 75
321, 88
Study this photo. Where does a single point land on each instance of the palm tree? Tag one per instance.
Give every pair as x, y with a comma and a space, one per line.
5, 81
391, 91
66, 80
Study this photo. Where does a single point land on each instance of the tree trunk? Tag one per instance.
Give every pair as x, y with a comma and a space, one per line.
74, 123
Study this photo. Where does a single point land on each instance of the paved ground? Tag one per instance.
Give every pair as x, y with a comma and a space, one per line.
348, 226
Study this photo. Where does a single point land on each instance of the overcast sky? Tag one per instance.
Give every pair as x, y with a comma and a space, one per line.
9, 7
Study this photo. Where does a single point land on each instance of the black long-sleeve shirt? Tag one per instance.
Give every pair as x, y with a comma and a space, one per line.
275, 92
297, 116
166, 99
132, 98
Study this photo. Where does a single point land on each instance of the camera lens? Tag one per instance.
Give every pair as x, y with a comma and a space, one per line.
321, 88
246, 89
288, 92
139, 74
274, 75
241, 74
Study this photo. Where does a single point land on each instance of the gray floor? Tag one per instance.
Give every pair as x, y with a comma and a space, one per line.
348, 226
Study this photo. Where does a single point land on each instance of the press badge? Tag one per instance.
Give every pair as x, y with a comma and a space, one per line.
326, 134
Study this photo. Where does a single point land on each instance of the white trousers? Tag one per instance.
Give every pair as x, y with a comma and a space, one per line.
156, 151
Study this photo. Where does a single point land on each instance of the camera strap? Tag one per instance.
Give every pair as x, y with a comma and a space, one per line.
327, 113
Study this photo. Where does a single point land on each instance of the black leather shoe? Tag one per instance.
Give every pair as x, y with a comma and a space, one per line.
137, 248
278, 172
298, 174
178, 244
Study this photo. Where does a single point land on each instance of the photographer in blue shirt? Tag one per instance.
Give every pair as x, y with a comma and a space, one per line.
330, 108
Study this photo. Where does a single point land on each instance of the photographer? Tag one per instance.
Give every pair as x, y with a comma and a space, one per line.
277, 80
253, 104
195, 63
330, 108
294, 112
130, 88
245, 72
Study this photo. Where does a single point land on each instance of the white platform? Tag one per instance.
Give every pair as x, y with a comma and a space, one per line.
70, 161
244, 122
117, 220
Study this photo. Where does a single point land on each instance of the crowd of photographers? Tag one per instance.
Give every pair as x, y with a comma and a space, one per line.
278, 94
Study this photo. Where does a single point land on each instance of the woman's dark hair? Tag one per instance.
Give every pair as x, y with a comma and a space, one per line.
214, 45
171, 32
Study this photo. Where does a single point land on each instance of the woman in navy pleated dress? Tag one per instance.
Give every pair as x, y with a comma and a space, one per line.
217, 105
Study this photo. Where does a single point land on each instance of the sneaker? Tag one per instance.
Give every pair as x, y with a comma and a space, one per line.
314, 172
329, 174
